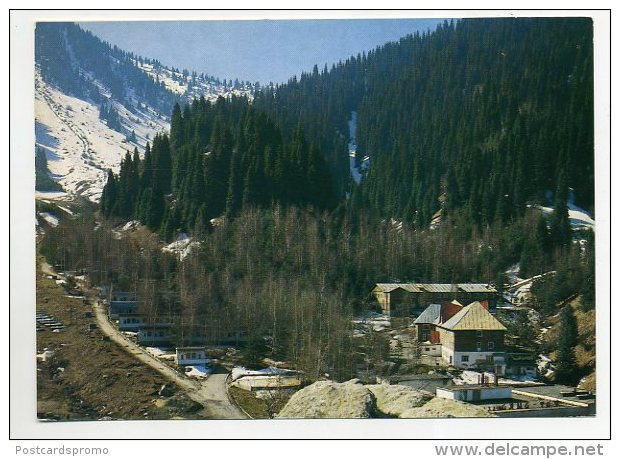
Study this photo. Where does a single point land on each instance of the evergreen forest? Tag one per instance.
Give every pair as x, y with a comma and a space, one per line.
470, 127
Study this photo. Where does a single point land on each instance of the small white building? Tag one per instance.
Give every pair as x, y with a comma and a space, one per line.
192, 355
430, 349
474, 392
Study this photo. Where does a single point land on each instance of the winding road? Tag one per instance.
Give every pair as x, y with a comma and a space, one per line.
210, 392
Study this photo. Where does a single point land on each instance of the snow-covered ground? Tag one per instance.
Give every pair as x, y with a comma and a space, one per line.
579, 218
519, 290
78, 145
189, 87
51, 219
47, 196
545, 367
159, 353
356, 172
183, 246
378, 322
240, 372
198, 371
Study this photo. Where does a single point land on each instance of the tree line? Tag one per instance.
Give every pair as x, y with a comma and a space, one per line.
479, 119
218, 159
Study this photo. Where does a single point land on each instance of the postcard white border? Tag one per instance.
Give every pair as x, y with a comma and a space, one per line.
22, 370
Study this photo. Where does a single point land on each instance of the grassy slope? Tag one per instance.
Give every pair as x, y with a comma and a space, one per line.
88, 377
585, 351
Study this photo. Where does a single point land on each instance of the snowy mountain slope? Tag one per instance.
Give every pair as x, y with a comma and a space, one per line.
79, 76
191, 86
79, 146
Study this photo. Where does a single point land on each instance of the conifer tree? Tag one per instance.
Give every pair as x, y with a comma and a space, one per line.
566, 370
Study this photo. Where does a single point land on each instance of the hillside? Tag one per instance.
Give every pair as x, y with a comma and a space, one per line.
95, 102
488, 121
585, 348
478, 118
79, 146
82, 376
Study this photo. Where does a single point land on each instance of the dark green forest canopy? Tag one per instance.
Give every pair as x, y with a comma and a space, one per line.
492, 112
478, 118
219, 159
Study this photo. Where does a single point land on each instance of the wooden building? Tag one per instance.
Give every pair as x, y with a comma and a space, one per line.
472, 337
405, 299
433, 315
469, 336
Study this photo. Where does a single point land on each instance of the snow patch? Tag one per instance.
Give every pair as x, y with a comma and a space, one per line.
375, 321
356, 172
79, 146
183, 246
45, 355
198, 371
131, 225
240, 372
51, 219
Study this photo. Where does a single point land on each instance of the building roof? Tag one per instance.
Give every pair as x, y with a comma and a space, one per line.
430, 315
190, 348
123, 304
420, 376
462, 387
391, 287
436, 288
556, 391
473, 317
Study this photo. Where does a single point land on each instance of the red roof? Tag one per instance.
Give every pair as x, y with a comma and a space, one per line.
448, 309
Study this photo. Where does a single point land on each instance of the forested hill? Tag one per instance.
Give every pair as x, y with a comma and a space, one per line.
219, 159
487, 113
477, 119
82, 65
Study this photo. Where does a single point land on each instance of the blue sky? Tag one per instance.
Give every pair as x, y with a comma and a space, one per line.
257, 50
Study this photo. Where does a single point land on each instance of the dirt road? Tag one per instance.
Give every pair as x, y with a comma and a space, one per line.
210, 392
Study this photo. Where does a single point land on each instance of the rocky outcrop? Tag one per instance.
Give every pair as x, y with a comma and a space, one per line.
327, 399
394, 400
352, 400
444, 408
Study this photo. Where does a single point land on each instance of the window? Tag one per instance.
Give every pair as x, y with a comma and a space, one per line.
479, 333
478, 346
427, 349
464, 358
491, 345
424, 337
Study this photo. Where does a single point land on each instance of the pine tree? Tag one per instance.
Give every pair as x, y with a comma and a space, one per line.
109, 195
561, 233
566, 370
